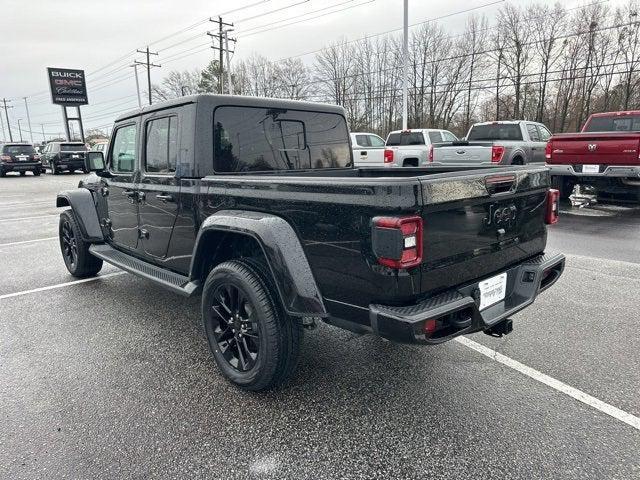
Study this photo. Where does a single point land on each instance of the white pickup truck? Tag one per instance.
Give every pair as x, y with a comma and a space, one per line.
414, 147
368, 150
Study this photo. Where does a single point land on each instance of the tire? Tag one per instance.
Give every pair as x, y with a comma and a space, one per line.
517, 161
563, 185
75, 251
36, 173
54, 169
3, 173
22, 174
258, 346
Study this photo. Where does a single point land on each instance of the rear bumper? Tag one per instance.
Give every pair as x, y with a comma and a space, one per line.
20, 166
606, 171
76, 163
458, 307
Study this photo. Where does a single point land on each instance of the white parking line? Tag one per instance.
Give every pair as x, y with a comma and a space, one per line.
60, 285
579, 395
10, 244
28, 218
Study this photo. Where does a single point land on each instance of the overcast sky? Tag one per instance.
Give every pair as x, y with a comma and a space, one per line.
102, 37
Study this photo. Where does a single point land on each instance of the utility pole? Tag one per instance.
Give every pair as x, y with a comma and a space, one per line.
148, 64
44, 139
221, 49
20, 130
226, 50
26, 107
135, 69
405, 67
4, 133
6, 112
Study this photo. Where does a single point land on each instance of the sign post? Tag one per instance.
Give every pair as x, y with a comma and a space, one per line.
68, 88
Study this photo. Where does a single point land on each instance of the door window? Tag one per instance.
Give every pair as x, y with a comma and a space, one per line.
123, 154
533, 132
363, 140
375, 141
449, 137
161, 150
435, 137
545, 134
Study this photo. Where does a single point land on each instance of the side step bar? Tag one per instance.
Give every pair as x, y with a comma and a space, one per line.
165, 278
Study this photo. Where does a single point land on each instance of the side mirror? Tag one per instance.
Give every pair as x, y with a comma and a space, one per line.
94, 161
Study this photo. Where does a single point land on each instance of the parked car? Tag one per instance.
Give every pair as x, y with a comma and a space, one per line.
63, 156
100, 146
277, 230
19, 157
605, 155
516, 142
411, 148
368, 150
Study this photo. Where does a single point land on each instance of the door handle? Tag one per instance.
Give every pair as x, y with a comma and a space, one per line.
364, 152
165, 197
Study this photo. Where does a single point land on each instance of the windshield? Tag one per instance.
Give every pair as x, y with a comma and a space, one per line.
495, 131
405, 138
626, 123
72, 147
19, 150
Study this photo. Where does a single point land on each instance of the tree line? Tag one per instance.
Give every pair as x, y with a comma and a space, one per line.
538, 62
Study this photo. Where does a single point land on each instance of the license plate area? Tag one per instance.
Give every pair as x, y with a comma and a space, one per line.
590, 168
492, 290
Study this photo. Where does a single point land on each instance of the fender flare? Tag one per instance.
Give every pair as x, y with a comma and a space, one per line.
84, 208
282, 249
519, 152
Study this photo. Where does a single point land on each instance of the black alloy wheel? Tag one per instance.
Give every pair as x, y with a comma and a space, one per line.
69, 244
235, 326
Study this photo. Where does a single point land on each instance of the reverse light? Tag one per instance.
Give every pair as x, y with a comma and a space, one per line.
397, 241
548, 150
553, 202
497, 151
388, 155
430, 153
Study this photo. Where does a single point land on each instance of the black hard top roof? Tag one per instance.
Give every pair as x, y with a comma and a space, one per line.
212, 101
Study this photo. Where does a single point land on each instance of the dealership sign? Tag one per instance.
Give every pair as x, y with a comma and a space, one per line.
67, 86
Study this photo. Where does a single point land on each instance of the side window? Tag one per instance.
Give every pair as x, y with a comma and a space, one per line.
449, 137
123, 154
435, 137
375, 141
533, 132
254, 139
363, 140
161, 145
545, 134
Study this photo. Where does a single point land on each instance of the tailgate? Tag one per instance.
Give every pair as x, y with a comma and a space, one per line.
462, 154
595, 148
479, 223
79, 155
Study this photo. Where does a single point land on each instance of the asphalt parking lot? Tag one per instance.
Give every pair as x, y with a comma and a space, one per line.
112, 378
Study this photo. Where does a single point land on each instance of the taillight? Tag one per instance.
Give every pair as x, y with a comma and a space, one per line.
430, 153
6, 158
388, 155
552, 212
548, 149
397, 241
497, 151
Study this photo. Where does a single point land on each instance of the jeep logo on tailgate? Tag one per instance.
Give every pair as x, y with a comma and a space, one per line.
501, 216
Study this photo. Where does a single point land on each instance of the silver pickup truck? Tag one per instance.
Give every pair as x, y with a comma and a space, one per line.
514, 142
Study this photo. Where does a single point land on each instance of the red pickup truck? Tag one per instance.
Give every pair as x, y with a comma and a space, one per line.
604, 155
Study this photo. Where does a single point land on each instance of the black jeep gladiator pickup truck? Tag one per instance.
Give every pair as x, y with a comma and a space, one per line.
255, 204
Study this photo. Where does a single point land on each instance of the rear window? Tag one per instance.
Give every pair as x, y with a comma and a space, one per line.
626, 123
72, 147
405, 138
250, 139
18, 150
495, 131
435, 137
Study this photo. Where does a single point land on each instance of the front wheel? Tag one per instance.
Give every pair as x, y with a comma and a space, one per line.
254, 343
75, 251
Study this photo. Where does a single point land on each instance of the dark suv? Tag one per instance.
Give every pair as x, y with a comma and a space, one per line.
19, 157
61, 156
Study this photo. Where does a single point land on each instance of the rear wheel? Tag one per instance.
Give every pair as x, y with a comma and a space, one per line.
255, 344
22, 174
36, 172
75, 251
517, 161
3, 173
